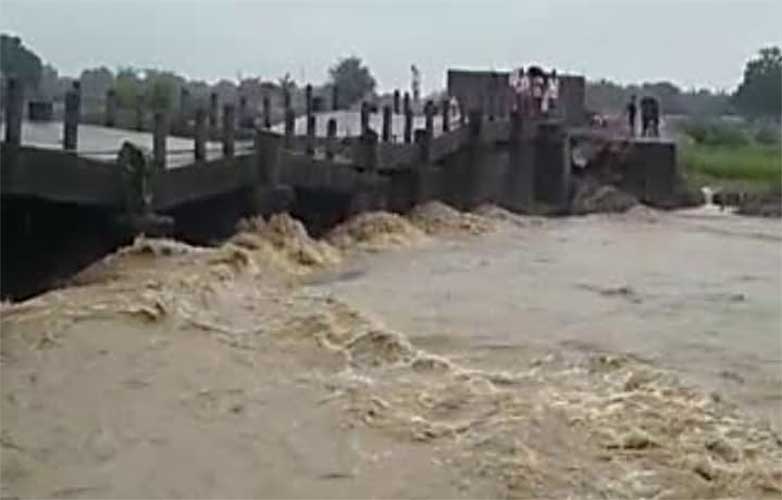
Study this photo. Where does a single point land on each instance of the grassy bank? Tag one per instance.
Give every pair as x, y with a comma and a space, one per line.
752, 163
749, 168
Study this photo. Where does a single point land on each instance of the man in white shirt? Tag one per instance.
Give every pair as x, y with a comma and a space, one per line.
551, 97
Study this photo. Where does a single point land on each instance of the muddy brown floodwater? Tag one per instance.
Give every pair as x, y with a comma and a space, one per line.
436, 355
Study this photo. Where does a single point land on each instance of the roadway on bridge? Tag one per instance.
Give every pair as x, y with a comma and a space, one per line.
103, 143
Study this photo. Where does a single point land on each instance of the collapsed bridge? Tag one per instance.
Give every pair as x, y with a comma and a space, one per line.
79, 195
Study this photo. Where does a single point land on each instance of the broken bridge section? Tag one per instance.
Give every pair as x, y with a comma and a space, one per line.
322, 167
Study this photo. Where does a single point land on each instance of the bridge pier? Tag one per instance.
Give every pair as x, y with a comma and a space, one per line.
552, 164
465, 174
519, 193
138, 176
265, 194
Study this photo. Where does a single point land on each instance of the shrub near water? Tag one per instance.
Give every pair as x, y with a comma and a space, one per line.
714, 133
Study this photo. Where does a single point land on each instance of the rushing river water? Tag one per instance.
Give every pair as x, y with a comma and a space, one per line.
621, 356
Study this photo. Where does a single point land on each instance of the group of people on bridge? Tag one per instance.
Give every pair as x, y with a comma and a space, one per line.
650, 116
537, 92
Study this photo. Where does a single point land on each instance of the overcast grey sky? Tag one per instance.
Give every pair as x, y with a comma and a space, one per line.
690, 42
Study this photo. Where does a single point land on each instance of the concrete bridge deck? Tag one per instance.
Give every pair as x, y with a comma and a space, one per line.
389, 173
103, 143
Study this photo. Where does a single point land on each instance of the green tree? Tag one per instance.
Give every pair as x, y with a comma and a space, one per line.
758, 96
128, 87
48, 85
161, 88
95, 82
18, 61
353, 80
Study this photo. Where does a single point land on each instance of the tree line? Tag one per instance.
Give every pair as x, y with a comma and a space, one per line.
159, 89
758, 95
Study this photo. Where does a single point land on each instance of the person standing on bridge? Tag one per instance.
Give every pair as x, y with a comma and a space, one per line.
551, 93
632, 111
655, 118
538, 80
648, 107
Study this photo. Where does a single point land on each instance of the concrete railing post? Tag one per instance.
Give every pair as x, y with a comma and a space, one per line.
14, 104
423, 140
243, 116
213, 112
408, 132
184, 107
331, 138
110, 119
396, 102
308, 99
286, 99
290, 127
334, 98
364, 118
229, 122
159, 133
387, 117
311, 124
446, 114
267, 157
71, 122
140, 116
369, 150
267, 113
406, 103
200, 134
429, 110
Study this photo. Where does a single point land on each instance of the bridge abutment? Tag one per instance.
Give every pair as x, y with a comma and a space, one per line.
551, 169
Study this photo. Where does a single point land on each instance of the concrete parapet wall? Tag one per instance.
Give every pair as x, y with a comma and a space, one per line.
58, 176
202, 181
303, 171
652, 172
